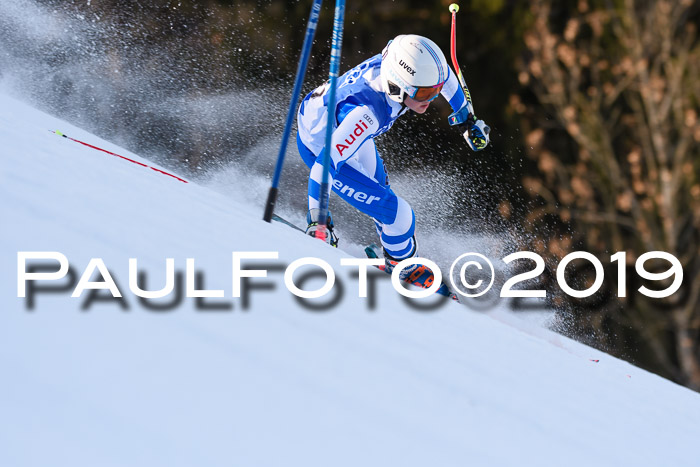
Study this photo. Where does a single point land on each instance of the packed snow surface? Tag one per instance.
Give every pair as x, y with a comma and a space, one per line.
275, 384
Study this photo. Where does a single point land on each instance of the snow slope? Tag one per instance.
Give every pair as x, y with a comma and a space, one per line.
276, 384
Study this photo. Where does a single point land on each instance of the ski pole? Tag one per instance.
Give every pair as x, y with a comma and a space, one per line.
333, 74
454, 8
301, 71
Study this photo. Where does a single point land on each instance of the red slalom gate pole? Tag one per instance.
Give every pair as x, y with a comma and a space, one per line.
119, 156
454, 8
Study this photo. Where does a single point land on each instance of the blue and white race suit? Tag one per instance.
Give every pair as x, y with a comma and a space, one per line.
363, 112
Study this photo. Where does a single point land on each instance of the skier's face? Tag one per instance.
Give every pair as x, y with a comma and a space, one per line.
416, 106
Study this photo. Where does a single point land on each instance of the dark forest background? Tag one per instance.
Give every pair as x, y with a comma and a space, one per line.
593, 107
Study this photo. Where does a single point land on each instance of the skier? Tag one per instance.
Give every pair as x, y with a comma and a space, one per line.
410, 72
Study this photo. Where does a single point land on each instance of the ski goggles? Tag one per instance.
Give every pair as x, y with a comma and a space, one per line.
426, 93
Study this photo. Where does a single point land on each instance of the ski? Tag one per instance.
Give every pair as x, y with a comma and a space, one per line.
284, 221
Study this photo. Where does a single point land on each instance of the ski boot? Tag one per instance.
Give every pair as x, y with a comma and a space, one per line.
423, 275
416, 274
312, 229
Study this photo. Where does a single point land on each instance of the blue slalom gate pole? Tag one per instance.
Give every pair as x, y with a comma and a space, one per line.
301, 71
335, 66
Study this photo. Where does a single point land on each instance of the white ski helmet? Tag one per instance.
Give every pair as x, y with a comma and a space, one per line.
413, 66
